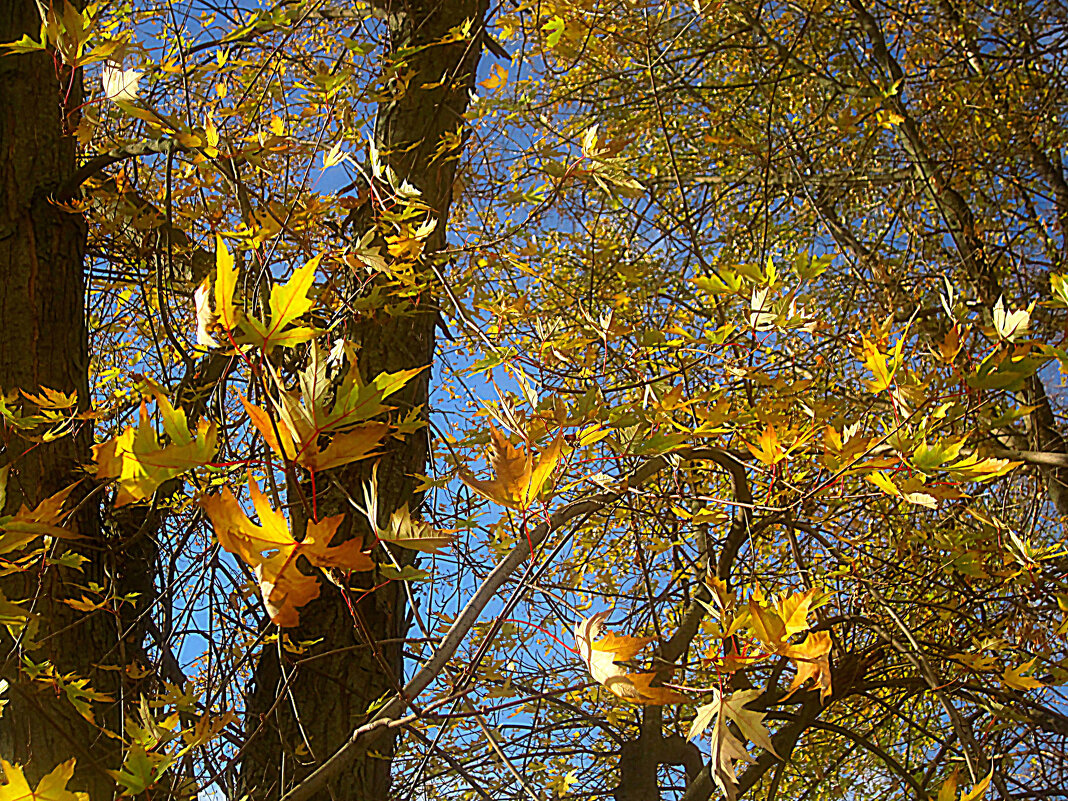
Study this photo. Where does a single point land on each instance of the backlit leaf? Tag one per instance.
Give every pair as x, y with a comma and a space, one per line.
271, 550
601, 661
53, 787
519, 477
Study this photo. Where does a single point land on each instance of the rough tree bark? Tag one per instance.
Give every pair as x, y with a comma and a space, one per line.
303, 708
44, 343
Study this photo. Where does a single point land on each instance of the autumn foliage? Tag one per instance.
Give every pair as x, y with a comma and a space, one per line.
560, 400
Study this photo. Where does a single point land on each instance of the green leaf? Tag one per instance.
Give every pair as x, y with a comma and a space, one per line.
554, 29
406, 573
23, 45
141, 770
928, 458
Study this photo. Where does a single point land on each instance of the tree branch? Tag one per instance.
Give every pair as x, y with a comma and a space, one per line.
363, 737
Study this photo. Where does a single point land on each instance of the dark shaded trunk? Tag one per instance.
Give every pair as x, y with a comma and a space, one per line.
44, 343
303, 707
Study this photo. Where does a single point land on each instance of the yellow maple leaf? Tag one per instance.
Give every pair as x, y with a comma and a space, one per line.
601, 658
294, 438
26, 525
948, 790
141, 464
278, 436
974, 468
223, 319
767, 448
793, 610
520, 479
979, 790
288, 301
881, 365
812, 659
404, 246
52, 787
950, 345
884, 482
350, 446
774, 626
1015, 678
272, 551
498, 77
17, 620
766, 625
225, 284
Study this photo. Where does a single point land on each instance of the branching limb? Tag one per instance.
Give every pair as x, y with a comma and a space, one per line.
364, 737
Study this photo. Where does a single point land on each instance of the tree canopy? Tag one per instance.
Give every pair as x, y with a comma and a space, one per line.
560, 400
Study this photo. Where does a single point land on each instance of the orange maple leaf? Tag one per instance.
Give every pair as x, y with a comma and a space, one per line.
520, 479
272, 551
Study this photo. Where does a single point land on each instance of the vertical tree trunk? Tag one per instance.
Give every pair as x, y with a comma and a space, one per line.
303, 708
44, 343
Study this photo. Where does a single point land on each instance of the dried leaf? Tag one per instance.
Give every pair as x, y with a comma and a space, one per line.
600, 658
207, 320
726, 748
725, 752
520, 479
120, 84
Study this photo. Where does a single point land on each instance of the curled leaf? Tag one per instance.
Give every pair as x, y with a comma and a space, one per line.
120, 84
601, 658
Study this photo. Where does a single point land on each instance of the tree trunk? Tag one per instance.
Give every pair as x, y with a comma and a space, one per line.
303, 707
44, 343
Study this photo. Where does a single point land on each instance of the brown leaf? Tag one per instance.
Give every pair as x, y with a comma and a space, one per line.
520, 479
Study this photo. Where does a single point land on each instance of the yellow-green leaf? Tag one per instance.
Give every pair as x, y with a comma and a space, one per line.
53, 787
